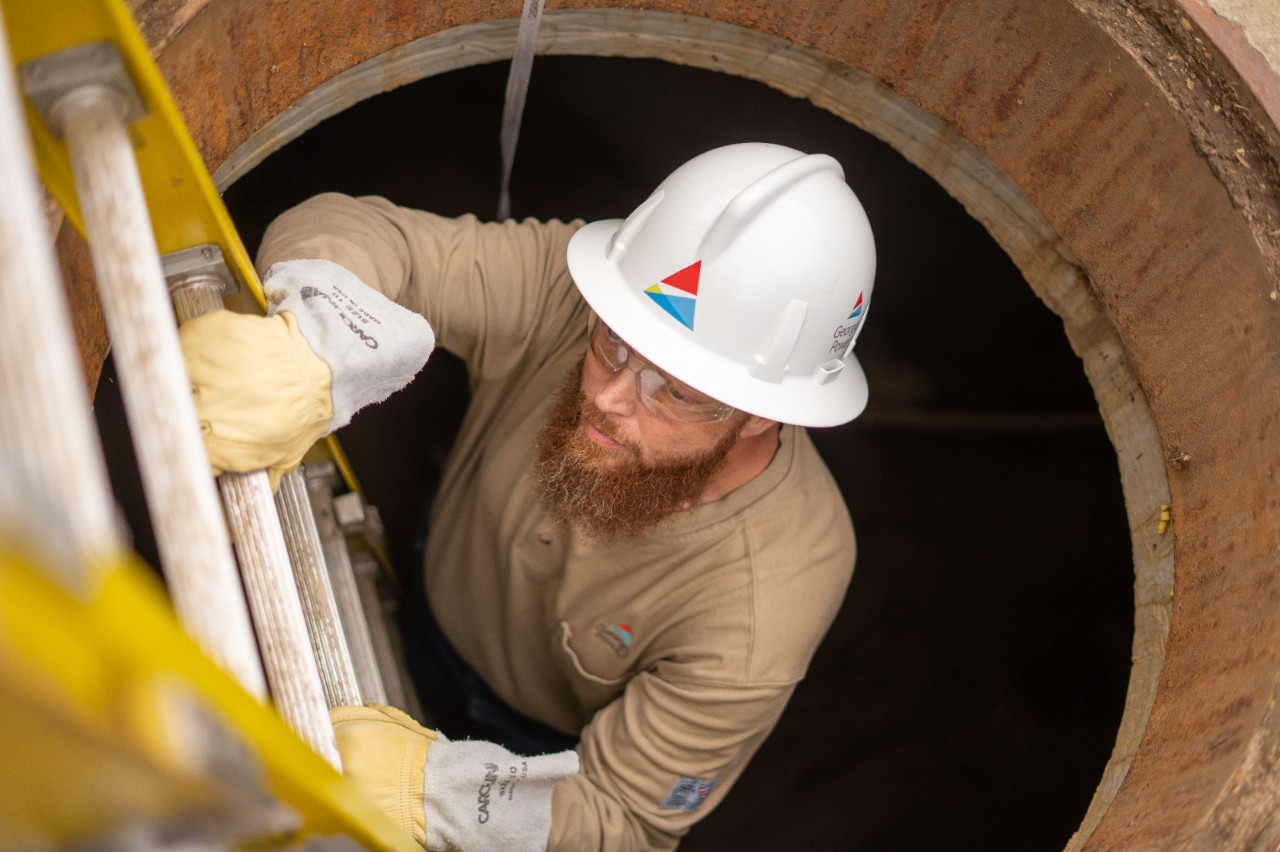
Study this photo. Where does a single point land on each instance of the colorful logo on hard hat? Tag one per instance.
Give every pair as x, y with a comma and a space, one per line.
857, 309
847, 330
677, 294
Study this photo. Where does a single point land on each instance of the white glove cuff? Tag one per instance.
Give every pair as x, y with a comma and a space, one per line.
373, 346
481, 796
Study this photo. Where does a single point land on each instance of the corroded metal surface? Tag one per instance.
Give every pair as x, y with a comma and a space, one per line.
1144, 132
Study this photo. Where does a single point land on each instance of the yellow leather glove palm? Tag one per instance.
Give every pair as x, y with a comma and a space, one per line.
262, 395
384, 751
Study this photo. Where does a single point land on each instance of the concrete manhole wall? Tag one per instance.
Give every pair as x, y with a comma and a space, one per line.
1125, 156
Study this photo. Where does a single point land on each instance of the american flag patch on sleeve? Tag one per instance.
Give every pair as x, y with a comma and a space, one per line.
688, 794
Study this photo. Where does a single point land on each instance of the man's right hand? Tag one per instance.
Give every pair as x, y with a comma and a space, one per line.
262, 395
267, 388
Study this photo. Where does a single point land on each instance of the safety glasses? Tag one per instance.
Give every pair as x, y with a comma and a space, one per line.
659, 391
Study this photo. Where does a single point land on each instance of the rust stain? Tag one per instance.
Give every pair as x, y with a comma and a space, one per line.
1005, 104
914, 36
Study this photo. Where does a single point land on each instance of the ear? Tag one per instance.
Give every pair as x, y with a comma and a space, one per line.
757, 426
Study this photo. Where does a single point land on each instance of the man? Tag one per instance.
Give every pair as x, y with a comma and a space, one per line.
628, 547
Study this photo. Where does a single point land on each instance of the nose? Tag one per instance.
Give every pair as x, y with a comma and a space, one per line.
617, 393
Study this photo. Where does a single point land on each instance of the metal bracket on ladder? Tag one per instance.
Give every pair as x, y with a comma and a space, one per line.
93, 70
198, 267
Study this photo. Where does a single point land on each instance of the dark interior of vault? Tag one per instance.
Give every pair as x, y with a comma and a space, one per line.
969, 693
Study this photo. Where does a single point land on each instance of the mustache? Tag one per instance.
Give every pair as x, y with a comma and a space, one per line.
590, 413
597, 417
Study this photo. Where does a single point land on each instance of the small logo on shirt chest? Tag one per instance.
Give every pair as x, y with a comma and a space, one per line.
616, 636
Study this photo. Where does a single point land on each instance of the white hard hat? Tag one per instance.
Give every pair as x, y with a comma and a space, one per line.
747, 274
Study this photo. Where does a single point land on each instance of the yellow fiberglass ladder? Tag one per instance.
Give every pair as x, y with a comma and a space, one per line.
120, 723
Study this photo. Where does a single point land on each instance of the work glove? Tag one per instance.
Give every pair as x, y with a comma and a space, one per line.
449, 794
384, 752
267, 388
261, 394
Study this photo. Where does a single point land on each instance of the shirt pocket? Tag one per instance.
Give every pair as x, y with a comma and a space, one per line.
595, 660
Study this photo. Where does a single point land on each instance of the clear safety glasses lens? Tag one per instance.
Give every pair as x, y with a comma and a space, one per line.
660, 392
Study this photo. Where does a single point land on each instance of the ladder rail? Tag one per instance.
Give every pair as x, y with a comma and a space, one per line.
293, 672
329, 641
189, 529
199, 280
320, 482
47, 434
292, 669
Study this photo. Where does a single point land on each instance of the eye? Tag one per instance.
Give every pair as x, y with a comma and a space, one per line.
674, 391
613, 348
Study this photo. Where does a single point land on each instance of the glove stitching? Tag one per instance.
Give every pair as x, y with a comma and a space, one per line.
406, 818
304, 366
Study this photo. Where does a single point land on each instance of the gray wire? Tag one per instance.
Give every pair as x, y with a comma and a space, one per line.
517, 88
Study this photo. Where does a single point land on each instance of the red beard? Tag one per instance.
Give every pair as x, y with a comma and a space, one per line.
612, 502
